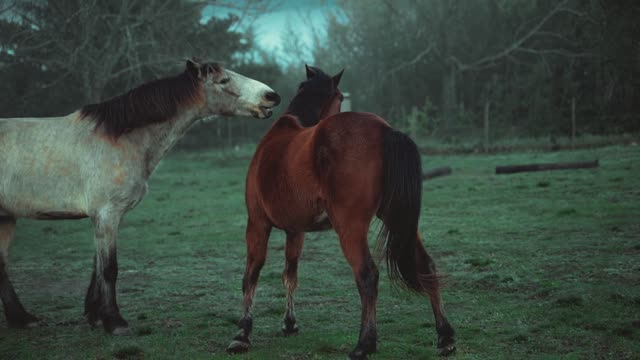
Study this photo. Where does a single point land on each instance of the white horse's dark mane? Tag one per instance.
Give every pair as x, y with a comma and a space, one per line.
150, 103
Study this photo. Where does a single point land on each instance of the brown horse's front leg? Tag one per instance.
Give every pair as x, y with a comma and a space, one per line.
257, 237
100, 301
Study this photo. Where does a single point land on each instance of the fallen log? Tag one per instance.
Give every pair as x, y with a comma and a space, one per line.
511, 169
441, 171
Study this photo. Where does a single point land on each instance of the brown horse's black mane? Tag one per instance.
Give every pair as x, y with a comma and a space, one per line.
150, 103
312, 96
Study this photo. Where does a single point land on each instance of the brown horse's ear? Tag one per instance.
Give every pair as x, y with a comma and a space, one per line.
311, 71
337, 77
194, 67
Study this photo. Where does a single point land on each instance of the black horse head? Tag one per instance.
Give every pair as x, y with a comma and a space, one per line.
318, 97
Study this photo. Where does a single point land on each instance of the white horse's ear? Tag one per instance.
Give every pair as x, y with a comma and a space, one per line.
194, 67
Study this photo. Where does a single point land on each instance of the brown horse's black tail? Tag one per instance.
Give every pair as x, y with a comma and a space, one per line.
400, 208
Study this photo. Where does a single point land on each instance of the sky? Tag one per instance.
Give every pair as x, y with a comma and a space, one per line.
271, 27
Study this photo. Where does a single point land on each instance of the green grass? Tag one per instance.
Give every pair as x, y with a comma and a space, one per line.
538, 265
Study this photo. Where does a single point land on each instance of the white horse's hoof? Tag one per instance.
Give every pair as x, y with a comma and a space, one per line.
34, 324
447, 350
237, 347
290, 330
121, 331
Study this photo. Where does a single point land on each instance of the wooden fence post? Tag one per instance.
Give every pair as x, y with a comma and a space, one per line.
229, 133
486, 126
573, 123
346, 102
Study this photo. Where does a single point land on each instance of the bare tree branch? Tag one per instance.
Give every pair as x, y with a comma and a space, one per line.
7, 7
100, 45
413, 61
559, 52
515, 45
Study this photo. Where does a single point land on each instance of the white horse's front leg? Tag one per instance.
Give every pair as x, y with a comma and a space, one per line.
100, 302
15, 313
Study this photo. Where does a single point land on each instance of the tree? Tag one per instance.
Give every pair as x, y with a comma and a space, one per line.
529, 58
80, 51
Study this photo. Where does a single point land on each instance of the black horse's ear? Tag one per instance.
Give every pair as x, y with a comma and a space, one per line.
194, 67
311, 71
337, 77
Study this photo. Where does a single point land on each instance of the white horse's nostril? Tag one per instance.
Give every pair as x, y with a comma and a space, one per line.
273, 96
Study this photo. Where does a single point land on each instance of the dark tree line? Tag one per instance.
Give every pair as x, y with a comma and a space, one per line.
432, 66
62, 53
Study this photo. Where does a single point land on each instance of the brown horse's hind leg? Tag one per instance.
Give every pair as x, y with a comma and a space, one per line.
353, 241
100, 301
15, 313
257, 237
290, 279
429, 281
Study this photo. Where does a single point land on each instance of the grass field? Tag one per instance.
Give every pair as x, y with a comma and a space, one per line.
538, 265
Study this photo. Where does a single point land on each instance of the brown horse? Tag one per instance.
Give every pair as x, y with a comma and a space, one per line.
310, 174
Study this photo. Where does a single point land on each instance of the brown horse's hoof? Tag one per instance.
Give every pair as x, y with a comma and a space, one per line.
34, 324
25, 321
447, 350
27, 325
290, 330
237, 347
114, 324
121, 331
446, 339
94, 323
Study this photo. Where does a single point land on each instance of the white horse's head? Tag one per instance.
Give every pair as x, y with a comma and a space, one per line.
229, 93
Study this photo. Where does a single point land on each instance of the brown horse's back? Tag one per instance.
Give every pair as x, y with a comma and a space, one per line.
297, 171
348, 156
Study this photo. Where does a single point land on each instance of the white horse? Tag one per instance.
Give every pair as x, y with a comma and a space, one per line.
96, 162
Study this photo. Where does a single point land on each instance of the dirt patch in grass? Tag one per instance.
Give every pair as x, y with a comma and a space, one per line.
543, 184
625, 331
570, 300
172, 323
57, 287
478, 262
488, 282
541, 294
520, 338
129, 352
453, 232
567, 212
144, 331
595, 327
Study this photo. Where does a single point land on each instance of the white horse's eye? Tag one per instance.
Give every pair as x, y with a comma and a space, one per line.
224, 81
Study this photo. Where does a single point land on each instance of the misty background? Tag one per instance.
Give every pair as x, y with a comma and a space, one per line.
446, 71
